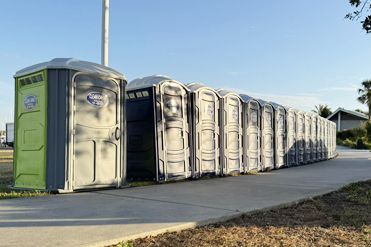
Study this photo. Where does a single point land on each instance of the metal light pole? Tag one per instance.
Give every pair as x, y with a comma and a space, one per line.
105, 27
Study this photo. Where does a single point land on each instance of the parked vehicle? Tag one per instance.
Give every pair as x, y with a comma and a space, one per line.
9, 134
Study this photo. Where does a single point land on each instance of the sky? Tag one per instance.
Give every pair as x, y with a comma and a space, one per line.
297, 53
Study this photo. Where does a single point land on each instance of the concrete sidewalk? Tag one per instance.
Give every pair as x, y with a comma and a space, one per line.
106, 217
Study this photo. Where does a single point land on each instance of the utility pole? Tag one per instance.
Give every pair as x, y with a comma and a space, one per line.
105, 27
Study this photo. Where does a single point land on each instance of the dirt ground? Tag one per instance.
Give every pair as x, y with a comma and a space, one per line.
6, 166
340, 218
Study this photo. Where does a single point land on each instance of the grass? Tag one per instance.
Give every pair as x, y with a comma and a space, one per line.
339, 218
6, 179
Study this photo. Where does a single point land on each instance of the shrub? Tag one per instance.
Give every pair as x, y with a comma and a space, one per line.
349, 143
368, 130
345, 134
360, 144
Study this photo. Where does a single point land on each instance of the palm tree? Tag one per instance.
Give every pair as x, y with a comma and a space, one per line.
322, 110
365, 96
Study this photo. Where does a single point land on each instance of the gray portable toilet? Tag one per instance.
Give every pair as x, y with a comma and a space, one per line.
292, 152
205, 103
267, 133
70, 126
323, 146
333, 140
326, 137
159, 129
280, 137
307, 138
314, 141
319, 139
231, 132
300, 122
251, 133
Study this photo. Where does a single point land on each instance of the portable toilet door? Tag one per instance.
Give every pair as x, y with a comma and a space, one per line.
159, 129
280, 142
251, 133
292, 158
267, 133
205, 103
323, 146
307, 138
319, 139
231, 132
300, 137
327, 146
334, 140
70, 126
313, 138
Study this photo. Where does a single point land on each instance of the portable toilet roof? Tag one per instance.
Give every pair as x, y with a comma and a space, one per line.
72, 64
263, 102
289, 108
195, 86
276, 105
224, 92
151, 81
246, 98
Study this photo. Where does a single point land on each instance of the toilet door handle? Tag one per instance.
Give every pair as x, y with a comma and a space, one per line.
117, 133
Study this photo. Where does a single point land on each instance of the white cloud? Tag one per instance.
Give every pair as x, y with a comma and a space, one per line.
347, 88
302, 101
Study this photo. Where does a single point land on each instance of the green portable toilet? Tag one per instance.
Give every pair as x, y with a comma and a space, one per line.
70, 126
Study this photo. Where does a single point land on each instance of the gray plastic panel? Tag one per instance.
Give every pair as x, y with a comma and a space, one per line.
205, 130
231, 131
307, 138
173, 128
98, 131
300, 123
280, 144
72, 64
292, 158
251, 135
267, 136
57, 128
313, 138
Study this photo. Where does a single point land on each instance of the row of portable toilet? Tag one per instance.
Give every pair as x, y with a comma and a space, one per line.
71, 131
176, 131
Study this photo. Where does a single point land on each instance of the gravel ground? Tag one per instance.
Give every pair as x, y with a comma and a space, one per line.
340, 218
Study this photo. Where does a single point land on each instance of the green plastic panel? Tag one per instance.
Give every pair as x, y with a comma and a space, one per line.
30, 117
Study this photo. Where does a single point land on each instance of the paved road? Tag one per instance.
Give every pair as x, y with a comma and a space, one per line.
106, 217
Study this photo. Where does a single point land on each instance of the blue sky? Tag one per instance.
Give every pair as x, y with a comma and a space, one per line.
298, 53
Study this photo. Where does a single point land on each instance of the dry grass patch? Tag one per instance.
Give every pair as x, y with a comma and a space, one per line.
340, 218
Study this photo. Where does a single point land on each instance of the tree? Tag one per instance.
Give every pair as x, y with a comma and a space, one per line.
322, 110
361, 6
361, 111
365, 96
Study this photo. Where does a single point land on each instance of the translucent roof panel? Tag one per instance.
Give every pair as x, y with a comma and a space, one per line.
276, 105
193, 87
225, 92
246, 98
73, 64
148, 81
